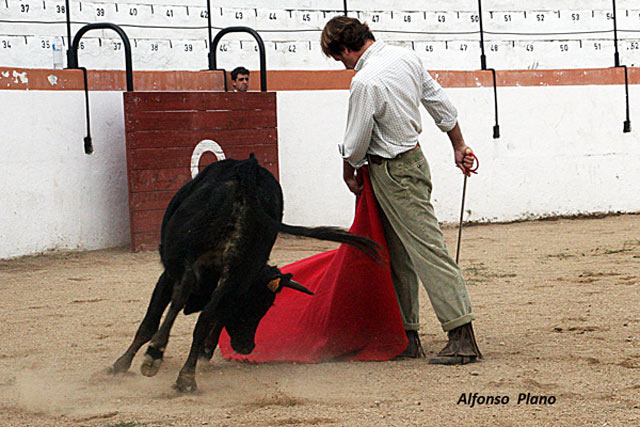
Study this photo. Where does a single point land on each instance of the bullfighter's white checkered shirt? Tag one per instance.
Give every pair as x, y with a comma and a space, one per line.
384, 101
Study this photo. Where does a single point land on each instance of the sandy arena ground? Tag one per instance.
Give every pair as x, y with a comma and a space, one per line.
558, 307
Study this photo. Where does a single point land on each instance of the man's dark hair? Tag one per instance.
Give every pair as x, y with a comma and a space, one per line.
341, 32
238, 70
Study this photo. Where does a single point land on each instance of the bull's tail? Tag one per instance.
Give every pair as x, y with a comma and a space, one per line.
248, 180
335, 234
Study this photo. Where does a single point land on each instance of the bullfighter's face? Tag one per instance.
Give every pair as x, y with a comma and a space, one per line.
348, 57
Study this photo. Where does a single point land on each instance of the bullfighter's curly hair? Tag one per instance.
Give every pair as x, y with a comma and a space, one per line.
344, 32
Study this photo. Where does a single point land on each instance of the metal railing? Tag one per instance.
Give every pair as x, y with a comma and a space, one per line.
72, 63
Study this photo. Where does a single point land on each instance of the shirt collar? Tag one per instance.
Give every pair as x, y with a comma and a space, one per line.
371, 50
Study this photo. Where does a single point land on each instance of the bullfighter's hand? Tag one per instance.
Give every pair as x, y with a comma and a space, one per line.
465, 160
354, 186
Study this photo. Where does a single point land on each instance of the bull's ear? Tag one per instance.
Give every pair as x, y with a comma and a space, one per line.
274, 285
297, 286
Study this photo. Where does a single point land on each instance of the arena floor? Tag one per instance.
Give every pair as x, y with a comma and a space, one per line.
558, 307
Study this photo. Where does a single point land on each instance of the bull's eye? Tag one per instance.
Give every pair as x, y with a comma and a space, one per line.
274, 285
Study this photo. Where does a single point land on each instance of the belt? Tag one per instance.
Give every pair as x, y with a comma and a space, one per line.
375, 159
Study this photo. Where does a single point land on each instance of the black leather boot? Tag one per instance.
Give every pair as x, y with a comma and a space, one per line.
414, 349
461, 349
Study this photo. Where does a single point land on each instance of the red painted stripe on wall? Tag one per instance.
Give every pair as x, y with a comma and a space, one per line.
281, 80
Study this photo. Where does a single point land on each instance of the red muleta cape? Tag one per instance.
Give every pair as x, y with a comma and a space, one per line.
354, 314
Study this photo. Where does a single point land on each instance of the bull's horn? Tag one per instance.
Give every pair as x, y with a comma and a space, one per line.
297, 286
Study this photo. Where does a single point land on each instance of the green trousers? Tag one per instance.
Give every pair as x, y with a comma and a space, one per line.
416, 245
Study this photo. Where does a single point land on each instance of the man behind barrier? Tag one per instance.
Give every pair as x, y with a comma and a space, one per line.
240, 79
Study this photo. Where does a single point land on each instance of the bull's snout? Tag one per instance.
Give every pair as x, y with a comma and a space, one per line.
242, 347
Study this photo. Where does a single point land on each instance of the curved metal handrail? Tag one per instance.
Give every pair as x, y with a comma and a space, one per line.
73, 54
254, 33
72, 63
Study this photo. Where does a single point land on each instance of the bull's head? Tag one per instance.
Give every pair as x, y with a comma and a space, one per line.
246, 311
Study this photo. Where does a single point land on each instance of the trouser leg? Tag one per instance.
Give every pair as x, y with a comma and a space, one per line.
405, 280
403, 190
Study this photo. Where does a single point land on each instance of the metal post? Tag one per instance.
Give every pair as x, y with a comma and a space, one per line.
68, 13
483, 66
210, 33
616, 55
483, 57
626, 127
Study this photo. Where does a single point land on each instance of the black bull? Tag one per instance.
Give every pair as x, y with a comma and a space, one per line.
217, 234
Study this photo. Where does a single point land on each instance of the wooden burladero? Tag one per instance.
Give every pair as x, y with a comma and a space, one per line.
171, 136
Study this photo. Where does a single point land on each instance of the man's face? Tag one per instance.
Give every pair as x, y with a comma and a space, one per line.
348, 57
241, 83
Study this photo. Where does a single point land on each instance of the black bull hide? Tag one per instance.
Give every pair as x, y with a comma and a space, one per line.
217, 234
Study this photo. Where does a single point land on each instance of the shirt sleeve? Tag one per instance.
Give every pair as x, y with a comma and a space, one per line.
437, 104
360, 122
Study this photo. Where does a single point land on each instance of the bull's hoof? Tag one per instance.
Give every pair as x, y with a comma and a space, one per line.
120, 366
453, 360
186, 384
206, 354
150, 366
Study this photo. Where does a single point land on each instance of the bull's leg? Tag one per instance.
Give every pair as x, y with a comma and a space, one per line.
186, 382
155, 351
159, 301
211, 342
205, 326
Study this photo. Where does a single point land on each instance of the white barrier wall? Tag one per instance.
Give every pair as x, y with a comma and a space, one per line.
172, 34
561, 151
52, 195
